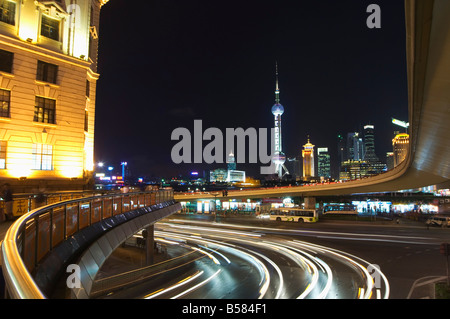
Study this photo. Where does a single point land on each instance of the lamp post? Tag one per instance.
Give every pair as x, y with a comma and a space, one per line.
123, 170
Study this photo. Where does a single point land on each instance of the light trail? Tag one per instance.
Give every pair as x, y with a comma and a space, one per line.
179, 284
308, 265
197, 285
258, 264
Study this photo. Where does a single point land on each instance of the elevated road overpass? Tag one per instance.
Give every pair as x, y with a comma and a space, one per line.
428, 70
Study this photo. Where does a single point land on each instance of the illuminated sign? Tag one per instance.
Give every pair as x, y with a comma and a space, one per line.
400, 123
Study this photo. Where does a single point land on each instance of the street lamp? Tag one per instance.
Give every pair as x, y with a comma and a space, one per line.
123, 170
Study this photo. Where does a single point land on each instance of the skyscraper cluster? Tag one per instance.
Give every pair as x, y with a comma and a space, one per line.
356, 156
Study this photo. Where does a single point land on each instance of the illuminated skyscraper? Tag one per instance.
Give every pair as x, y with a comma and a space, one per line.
370, 157
355, 147
277, 110
323, 163
369, 144
308, 160
400, 144
48, 79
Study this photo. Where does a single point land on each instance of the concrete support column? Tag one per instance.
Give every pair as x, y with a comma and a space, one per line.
310, 202
149, 244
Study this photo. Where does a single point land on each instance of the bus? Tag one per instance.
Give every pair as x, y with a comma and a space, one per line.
294, 214
340, 209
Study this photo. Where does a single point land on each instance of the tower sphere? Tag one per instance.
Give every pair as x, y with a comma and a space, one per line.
277, 109
279, 159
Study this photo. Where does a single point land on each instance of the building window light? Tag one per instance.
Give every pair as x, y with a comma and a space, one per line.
50, 28
5, 98
44, 110
6, 60
7, 12
46, 72
2, 154
42, 156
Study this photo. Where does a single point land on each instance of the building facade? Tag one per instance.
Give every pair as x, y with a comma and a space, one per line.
352, 170
48, 78
355, 147
308, 160
293, 165
400, 144
323, 163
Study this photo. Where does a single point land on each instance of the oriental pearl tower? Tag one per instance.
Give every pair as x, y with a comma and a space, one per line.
277, 110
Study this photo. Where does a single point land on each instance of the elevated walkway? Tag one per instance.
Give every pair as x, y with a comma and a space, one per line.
38, 248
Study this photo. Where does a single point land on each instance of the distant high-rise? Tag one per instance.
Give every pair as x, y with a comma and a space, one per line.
354, 170
370, 157
231, 162
323, 163
293, 166
308, 160
342, 153
390, 160
355, 147
400, 144
369, 143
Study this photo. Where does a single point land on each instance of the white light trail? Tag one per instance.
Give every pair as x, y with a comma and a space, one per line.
197, 285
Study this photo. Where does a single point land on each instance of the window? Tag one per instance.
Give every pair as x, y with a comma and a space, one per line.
5, 97
42, 157
86, 120
46, 72
2, 154
6, 61
8, 12
88, 88
44, 110
50, 28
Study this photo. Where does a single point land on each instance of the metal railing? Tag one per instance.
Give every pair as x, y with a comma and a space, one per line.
35, 234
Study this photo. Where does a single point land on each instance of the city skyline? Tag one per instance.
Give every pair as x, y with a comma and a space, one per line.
203, 65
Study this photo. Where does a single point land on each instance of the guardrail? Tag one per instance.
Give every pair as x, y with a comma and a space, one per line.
35, 234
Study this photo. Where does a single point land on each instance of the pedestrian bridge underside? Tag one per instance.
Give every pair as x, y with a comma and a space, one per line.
40, 246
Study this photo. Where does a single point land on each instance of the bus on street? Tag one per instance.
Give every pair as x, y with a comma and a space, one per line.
294, 214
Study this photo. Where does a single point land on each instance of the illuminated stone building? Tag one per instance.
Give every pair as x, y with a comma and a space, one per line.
400, 144
48, 78
308, 161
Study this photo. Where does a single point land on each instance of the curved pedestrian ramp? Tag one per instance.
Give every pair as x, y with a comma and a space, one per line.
74, 238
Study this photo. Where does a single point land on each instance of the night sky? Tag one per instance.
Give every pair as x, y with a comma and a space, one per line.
164, 63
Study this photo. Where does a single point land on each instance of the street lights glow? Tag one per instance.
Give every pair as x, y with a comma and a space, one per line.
123, 170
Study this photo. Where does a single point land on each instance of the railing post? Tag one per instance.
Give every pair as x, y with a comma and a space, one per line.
36, 240
90, 212
51, 231
65, 222
102, 208
78, 216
